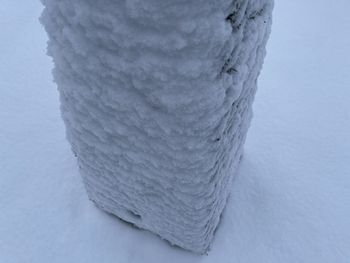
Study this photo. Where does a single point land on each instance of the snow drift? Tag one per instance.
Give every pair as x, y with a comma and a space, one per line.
156, 97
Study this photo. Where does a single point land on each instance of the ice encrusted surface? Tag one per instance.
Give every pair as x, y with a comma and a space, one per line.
156, 96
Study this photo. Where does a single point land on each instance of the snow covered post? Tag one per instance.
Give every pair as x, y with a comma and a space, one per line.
156, 97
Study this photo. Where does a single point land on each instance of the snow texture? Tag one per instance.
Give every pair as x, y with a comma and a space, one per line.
156, 96
290, 199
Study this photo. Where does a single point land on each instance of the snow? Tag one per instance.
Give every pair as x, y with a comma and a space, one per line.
158, 127
290, 201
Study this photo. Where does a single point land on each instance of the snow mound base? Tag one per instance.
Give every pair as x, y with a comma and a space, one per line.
156, 97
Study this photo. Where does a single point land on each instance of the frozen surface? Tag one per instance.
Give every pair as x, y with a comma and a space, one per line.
290, 201
156, 98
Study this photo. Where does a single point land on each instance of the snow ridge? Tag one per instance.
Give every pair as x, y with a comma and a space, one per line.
156, 97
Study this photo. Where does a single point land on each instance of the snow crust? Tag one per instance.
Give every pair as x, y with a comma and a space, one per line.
289, 200
156, 97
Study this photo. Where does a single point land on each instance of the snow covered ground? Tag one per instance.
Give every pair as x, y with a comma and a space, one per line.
290, 201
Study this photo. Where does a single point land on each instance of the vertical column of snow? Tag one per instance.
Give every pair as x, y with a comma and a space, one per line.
156, 96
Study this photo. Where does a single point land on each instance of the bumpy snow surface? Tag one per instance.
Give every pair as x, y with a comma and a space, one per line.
156, 96
290, 198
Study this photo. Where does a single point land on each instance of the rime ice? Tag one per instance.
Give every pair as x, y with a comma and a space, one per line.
156, 96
